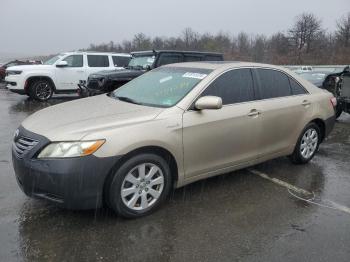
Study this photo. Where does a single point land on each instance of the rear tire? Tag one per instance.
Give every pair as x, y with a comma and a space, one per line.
307, 144
338, 111
41, 90
140, 186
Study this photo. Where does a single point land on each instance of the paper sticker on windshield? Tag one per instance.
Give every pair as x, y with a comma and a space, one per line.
194, 75
165, 79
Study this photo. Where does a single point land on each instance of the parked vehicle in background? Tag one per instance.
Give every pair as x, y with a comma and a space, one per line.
339, 85
304, 69
3, 67
141, 62
61, 73
169, 127
315, 77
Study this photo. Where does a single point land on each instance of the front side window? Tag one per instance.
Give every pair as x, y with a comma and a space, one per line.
273, 83
162, 87
166, 59
121, 61
52, 60
234, 86
98, 61
74, 60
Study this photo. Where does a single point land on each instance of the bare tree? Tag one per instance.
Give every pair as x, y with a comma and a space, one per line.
343, 31
305, 31
190, 38
141, 42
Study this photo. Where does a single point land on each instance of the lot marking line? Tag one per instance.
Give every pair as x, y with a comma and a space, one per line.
280, 182
311, 200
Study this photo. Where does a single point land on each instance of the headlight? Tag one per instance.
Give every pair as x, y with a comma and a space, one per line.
70, 149
13, 72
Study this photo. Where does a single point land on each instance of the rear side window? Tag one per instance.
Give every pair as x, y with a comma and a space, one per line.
234, 86
74, 60
192, 58
169, 59
273, 83
297, 89
120, 61
98, 61
213, 58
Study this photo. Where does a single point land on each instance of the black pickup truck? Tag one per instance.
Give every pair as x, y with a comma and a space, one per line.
141, 62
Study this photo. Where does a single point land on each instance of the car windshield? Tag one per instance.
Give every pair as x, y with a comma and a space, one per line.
52, 60
162, 87
141, 61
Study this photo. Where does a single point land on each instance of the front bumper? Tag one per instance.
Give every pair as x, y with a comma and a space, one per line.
74, 183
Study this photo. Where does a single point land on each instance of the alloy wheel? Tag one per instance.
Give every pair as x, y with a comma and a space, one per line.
142, 186
309, 143
43, 91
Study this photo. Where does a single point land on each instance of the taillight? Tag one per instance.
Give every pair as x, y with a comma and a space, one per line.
333, 101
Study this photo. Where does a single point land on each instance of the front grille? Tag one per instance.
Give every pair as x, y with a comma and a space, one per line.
93, 84
23, 145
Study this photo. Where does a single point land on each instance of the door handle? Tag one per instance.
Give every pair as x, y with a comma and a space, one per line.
254, 113
80, 71
306, 103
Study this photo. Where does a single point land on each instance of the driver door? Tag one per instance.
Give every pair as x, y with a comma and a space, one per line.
217, 139
68, 77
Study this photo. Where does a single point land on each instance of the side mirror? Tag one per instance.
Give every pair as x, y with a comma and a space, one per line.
208, 102
62, 64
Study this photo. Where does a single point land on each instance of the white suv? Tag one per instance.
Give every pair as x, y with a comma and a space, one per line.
61, 73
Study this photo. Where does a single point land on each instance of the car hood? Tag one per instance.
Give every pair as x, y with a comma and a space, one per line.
29, 67
118, 74
76, 119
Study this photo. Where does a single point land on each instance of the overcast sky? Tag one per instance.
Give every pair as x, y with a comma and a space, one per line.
50, 26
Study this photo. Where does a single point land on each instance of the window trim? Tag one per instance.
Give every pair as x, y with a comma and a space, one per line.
257, 97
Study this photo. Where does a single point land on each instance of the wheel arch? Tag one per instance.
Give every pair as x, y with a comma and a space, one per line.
31, 79
158, 150
322, 125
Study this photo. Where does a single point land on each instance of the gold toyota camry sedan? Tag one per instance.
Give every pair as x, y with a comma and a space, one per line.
167, 128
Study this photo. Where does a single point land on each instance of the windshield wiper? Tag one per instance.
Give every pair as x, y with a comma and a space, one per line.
127, 99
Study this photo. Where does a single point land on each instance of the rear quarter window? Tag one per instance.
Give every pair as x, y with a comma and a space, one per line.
297, 89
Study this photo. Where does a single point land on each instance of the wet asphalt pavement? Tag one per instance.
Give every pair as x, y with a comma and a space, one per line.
235, 217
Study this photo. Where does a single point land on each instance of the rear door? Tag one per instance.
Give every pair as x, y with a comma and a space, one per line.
284, 107
97, 63
216, 139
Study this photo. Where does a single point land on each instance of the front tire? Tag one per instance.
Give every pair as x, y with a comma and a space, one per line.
307, 144
140, 186
41, 90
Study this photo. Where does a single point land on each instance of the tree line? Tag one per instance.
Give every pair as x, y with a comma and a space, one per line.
305, 42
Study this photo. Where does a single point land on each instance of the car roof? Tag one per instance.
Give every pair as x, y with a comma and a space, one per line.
95, 53
174, 51
224, 65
